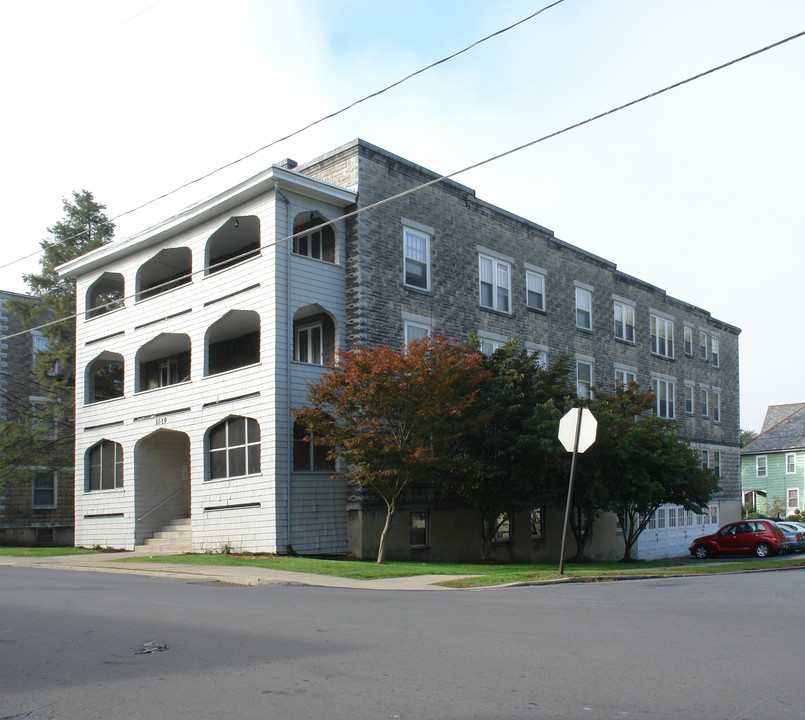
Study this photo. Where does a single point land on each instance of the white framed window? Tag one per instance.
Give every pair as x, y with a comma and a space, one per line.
416, 259
416, 331
489, 346
714, 350
687, 337
705, 458
624, 321
790, 463
309, 344
715, 401
495, 283
716, 466
704, 402
44, 489
702, 345
234, 448
309, 245
689, 399
418, 528
664, 403
714, 514
660, 516
104, 466
671, 517
662, 336
42, 345
623, 377
584, 379
584, 308
535, 290
761, 466
793, 501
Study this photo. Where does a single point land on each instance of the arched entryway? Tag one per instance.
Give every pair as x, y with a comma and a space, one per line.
161, 481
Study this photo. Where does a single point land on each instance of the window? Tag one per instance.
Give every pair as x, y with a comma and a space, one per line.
793, 501
537, 523
489, 346
309, 345
704, 404
715, 401
714, 350
624, 321
790, 463
705, 458
415, 331
234, 448
716, 467
760, 466
42, 345
584, 380
495, 283
703, 345
418, 528
535, 290
417, 259
687, 335
624, 377
662, 337
660, 516
689, 399
714, 514
105, 466
503, 533
307, 456
664, 398
43, 417
671, 517
44, 490
584, 308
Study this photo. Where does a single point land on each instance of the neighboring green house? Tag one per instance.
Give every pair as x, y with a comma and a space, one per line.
773, 464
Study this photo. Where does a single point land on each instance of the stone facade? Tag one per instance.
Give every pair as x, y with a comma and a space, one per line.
435, 260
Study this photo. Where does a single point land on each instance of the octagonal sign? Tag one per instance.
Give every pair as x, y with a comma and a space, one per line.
568, 425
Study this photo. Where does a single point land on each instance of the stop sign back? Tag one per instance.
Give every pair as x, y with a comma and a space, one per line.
569, 424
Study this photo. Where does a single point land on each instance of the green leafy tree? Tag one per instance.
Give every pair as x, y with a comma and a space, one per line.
504, 463
393, 416
747, 436
638, 463
44, 436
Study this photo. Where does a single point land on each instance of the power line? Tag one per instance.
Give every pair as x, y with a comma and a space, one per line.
309, 125
442, 178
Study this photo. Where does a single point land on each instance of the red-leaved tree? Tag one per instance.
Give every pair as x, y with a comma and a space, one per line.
393, 415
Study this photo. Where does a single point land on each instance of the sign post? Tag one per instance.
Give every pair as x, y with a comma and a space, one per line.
577, 430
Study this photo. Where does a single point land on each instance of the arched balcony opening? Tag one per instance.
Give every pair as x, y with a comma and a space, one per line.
313, 336
237, 240
233, 342
167, 270
315, 242
104, 378
107, 293
163, 361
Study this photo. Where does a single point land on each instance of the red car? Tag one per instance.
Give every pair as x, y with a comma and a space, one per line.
761, 537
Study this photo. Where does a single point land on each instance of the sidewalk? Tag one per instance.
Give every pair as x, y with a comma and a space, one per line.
233, 575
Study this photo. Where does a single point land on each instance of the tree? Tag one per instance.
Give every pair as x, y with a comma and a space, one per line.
504, 463
639, 463
44, 435
392, 416
747, 436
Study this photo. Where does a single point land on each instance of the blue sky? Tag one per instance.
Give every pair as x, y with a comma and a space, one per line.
697, 191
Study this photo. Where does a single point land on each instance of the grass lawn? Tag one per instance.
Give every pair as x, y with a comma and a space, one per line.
482, 575
44, 551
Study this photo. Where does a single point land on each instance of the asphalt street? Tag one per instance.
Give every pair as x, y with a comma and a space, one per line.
81, 645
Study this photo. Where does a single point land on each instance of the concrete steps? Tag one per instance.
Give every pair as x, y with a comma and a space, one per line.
173, 539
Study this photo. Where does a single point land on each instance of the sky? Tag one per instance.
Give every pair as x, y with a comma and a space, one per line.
698, 191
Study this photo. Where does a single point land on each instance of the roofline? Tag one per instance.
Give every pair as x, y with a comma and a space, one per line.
263, 182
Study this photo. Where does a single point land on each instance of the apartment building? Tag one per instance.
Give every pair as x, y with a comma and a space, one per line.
195, 340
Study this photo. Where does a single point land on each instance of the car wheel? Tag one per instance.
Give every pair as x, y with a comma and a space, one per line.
762, 550
701, 552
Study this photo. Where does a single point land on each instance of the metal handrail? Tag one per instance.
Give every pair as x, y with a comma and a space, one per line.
156, 507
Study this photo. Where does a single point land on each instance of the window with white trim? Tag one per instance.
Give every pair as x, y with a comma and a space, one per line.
714, 514
714, 350
489, 346
418, 528
417, 259
309, 344
104, 466
234, 448
660, 516
793, 501
705, 459
44, 489
662, 336
664, 403
790, 463
715, 401
584, 308
687, 336
624, 377
624, 321
761, 466
704, 402
416, 331
702, 345
716, 466
535, 290
689, 399
584, 379
495, 283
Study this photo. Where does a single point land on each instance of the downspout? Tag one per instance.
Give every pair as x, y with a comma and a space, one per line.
289, 339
